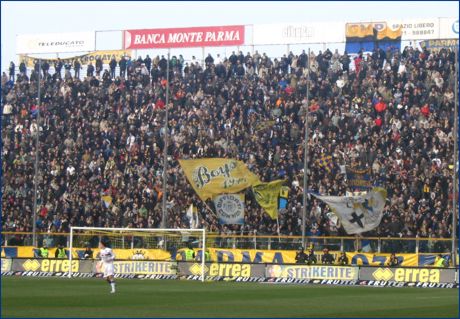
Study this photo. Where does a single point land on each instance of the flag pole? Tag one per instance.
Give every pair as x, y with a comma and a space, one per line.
206, 205
37, 155
455, 168
165, 150
278, 229
305, 164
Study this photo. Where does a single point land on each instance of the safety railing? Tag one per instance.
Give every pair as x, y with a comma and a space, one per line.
233, 241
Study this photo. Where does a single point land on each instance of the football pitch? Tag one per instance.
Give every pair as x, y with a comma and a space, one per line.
58, 297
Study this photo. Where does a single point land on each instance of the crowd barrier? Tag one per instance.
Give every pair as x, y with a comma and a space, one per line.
236, 255
286, 273
261, 242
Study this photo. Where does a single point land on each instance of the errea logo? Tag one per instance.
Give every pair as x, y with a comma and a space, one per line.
383, 274
195, 269
31, 265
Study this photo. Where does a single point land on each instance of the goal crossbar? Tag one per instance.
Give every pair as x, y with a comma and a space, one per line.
140, 229
146, 230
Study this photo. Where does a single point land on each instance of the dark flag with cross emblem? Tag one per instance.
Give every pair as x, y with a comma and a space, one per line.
358, 214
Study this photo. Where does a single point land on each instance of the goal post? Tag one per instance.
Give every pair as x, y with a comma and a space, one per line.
166, 240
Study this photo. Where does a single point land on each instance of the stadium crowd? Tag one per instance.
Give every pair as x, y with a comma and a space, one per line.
102, 135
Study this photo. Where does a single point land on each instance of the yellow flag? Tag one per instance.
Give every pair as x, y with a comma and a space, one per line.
213, 176
264, 125
107, 200
284, 192
267, 196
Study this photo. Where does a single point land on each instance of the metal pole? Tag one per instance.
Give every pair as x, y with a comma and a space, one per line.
203, 259
165, 150
70, 251
1, 152
37, 144
455, 168
203, 57
305, 157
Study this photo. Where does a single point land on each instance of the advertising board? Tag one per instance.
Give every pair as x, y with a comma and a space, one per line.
55, 42
229, 35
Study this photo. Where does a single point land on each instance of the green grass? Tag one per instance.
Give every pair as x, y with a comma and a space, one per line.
58, 297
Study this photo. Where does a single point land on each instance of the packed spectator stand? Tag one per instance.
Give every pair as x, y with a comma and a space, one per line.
101, 133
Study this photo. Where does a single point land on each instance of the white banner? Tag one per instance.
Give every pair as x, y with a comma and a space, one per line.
55, 42
448, 28
417, 29
192, 215
298, 33
358, 214
230, 208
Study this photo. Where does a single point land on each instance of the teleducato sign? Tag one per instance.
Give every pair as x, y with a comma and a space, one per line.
184, 37
55, 42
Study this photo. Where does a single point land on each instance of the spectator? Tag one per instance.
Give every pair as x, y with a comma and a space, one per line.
327, 258
12, 71
88, 253
148, 63
60, 252
441, 261
90, 70
45, 68
343, 259
99, 66
123, 64
217, 112
58, 67
113, 65
77, 67
380, 106
393, 261
312, 260
23, 68
209, 60
301, 257
44, 252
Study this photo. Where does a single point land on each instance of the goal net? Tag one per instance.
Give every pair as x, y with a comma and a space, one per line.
142, 243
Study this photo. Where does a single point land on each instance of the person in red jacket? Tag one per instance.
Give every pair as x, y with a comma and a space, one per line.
378, 122
380, 106
425, 110
357, 61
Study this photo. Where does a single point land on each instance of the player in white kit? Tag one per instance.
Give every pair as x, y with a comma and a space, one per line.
107, 257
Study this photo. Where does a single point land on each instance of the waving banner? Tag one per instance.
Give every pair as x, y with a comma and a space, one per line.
192, 215
358, 214
369, 35
230, 208
85, 59
359, 179
214, 176
326, 162
267, 196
